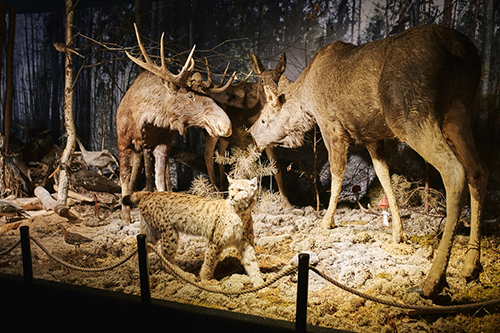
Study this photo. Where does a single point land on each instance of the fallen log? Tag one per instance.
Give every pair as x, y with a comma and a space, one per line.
74, 195
50, 203
29, 203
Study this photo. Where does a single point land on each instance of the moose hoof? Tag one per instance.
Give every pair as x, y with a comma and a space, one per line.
429, 289
416, 289
472, 266
399, 238
471, 272
326, 224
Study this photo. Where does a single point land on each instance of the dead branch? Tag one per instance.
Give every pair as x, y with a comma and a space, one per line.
369, 210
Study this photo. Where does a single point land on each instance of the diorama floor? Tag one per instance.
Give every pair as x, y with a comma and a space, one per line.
358, 253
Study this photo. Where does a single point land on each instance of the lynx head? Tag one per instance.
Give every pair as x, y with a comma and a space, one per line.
242, 193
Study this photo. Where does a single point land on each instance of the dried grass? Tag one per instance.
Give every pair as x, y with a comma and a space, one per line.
203, 187
246, 163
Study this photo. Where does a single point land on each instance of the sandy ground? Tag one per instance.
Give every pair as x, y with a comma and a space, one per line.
357, 253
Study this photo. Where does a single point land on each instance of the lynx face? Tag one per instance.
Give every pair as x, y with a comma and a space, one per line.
242, 192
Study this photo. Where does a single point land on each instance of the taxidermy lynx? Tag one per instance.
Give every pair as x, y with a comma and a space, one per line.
223, 223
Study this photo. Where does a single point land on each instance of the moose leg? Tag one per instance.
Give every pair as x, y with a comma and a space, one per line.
162, 170
223, 144
161, 160
210, 143
271, 155
377, 154
126, 178
459, 135
337, 156
136, 167
432, 146
148, 169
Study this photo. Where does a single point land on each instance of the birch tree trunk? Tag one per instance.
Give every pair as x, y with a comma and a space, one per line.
9, 82
447, 11
68, 106
487, 46
487, 115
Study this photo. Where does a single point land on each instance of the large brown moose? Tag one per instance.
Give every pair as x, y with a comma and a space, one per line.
419, 87
157, 104
243, 102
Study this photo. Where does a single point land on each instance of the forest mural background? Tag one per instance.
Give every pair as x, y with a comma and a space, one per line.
223, 31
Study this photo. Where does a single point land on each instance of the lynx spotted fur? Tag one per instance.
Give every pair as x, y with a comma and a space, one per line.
223, 223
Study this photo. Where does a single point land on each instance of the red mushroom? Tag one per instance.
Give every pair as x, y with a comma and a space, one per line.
384, 203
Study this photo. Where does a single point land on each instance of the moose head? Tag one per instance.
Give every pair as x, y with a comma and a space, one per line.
157, 104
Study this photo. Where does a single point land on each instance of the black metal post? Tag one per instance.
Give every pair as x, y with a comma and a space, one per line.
26, 255
143, 270
302, 284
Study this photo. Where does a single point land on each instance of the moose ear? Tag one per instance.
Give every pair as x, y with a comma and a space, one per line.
280, 67
272, 97
256, 64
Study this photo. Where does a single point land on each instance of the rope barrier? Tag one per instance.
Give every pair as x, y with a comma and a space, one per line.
83, 269
10, 248
287, 270
186, 278
434, 308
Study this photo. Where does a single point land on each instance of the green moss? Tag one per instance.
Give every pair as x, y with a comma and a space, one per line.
384, 275
359, 222
427, 240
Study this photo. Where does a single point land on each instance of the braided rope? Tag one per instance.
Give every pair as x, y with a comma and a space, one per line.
434, 308
10, 248
179, 273
84, 269
186, 278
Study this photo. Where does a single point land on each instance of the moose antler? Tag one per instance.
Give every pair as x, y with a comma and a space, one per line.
162, 71
217, 88
196, 83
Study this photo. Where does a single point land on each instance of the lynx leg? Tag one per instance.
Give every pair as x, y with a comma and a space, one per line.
434, 149
377, 154
271, 155
458, 133
249, 261
169, 242
211, 256
337, 156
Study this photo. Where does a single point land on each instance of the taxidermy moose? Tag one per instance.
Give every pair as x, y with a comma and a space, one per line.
157, 104
419, 87
243, 102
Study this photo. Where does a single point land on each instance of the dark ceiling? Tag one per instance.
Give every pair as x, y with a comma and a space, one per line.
41, 6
